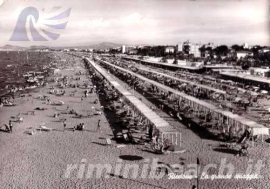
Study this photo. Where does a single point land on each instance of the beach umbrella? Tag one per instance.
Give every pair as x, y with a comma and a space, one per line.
264, 92
237, 99
245, 101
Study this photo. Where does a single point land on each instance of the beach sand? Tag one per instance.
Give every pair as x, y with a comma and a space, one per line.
41, 160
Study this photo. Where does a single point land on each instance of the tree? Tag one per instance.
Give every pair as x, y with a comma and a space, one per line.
245, 66
237, 47
202, 49
256, 49
221, 50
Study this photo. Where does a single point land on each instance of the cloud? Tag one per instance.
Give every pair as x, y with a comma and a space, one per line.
133, 27
151, 21
133, 20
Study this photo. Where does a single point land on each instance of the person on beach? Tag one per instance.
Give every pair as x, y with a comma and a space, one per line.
10, 126
81, 98
162, 106
98, 126
150, 132
82, 126
64, 124
48, 101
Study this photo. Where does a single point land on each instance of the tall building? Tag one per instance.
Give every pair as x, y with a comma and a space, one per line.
195, 50
123, 49
190, 48
245, 46
179, 48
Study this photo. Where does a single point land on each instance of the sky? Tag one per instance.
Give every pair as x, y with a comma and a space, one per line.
152, 22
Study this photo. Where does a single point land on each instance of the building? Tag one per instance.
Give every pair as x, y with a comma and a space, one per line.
169, 49
190, 48
245, 46
129, 49
243, 54
133, 51
258, 77
123, 49
262, 72
195, 50
265, 50
179, 48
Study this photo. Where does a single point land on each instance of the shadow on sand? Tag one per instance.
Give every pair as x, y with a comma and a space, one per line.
4, 131
226, 150
130, 157
99, 143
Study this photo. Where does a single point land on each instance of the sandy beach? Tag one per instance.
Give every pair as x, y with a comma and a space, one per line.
41, 160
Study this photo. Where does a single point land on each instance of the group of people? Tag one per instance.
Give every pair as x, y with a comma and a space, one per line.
233, 90
79, 127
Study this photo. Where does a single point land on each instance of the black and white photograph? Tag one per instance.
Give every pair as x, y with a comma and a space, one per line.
135, 94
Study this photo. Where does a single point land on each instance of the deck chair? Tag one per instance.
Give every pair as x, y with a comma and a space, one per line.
44, 128
18, 119
6, 127
126, 137
243, 151
29, 131
108, 141
31, 112
98, 112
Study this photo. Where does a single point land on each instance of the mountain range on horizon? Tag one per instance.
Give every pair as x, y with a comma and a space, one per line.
103, 45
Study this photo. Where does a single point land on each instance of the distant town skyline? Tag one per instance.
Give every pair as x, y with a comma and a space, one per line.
152, 22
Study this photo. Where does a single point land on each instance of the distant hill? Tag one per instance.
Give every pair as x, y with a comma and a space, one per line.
17, 48
12, 47
38, 47
104, 45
